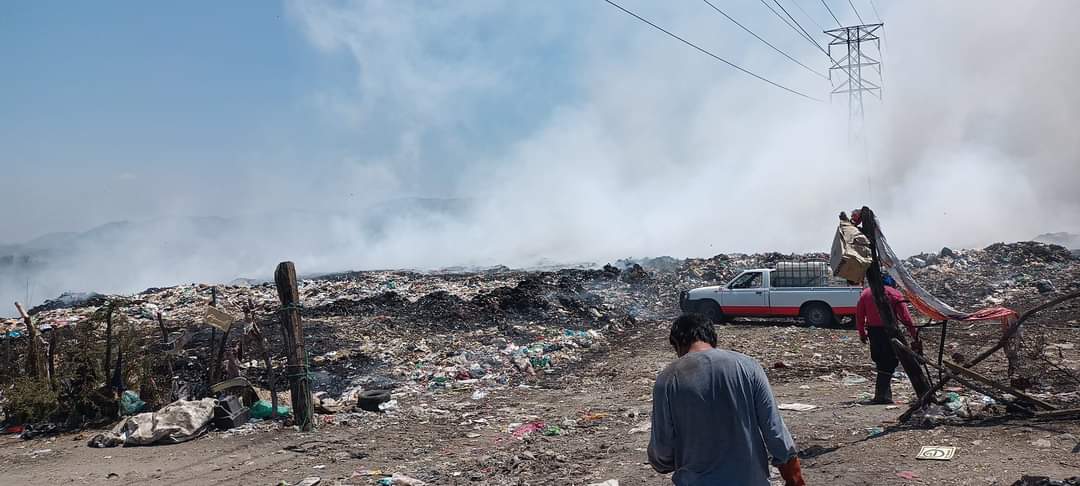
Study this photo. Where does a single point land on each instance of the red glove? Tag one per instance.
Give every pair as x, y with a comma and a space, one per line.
791, 471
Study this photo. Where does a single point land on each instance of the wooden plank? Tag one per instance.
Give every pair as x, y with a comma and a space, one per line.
1064, 413
956, 368
217, 318
288, 292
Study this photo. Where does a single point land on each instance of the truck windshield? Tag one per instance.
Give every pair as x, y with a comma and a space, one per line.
747, 281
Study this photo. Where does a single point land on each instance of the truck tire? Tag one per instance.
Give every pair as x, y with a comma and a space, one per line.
818, 314
710, 309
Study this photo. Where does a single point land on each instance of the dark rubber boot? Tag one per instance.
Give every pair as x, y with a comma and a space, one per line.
883, 389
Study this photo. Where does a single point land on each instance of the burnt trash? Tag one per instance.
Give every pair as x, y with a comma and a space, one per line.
1044, 286
635, 275
1027, 480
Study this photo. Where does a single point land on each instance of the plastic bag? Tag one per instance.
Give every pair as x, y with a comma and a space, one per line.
262, 408
130, 404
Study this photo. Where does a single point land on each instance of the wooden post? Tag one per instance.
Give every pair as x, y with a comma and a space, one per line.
260, 341
873, 275
211, 369
164, 330
303, 407
108, 337
53, 338
35, 362
221, 353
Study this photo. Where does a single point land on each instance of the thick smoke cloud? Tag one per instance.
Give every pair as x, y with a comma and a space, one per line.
646, 147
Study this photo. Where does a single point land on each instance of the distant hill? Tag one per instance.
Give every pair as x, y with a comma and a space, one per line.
1068, 240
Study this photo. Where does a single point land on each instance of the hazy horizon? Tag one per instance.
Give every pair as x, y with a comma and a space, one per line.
576, 133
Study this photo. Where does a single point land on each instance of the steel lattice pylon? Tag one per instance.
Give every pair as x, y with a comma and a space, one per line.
851, 65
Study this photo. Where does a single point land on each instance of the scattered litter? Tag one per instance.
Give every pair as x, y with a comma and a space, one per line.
388, 406
936, 453
400, 480
852, 379
874, 431
552, 430
909, 475
1042, 443
798, 407
526, 429
641, 428
610, 482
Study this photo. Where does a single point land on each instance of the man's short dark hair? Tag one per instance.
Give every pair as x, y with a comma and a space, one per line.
689, 328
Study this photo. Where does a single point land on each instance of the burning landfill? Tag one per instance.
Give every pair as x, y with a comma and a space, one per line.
505, 376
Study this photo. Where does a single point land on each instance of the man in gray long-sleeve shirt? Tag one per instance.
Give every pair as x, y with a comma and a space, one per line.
714, 420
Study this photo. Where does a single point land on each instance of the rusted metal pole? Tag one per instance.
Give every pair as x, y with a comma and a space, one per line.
303, 407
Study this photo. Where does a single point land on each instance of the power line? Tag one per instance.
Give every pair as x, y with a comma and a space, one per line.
796, 61
781, 17
714, 56
876, 14
838, 24
856, 11
808, 36
807, 15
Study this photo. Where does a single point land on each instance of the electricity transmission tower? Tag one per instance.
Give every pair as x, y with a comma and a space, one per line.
853, 81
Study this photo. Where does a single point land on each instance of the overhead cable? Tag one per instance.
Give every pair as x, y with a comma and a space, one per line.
808, 36
838, 24
807, 15
714, 56
758, 37
856, 11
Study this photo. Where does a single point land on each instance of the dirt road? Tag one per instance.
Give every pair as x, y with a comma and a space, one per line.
600, 407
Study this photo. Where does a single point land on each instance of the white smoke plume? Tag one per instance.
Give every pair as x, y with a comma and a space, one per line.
645, 147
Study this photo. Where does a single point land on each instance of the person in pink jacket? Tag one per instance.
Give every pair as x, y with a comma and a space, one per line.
868, 323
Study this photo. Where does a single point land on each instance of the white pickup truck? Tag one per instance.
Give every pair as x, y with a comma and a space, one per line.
789, 290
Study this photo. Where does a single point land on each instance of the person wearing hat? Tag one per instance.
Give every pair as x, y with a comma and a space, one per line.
871, 330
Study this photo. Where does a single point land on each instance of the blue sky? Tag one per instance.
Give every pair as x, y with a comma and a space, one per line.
124, 95
566, 113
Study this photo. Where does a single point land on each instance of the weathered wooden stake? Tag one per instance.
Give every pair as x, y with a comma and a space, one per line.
108, 338
53, 338
211, 369
216, 369
164, 330
303, 407
35, 362
873, 275
271, 377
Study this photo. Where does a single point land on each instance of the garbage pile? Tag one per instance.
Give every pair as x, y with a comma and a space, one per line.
1018, 276
411, 332
1012, 274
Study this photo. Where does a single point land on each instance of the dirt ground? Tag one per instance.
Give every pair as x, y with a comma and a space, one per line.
602, 405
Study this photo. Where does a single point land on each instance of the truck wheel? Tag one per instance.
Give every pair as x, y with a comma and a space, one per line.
711, 309
818, 314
